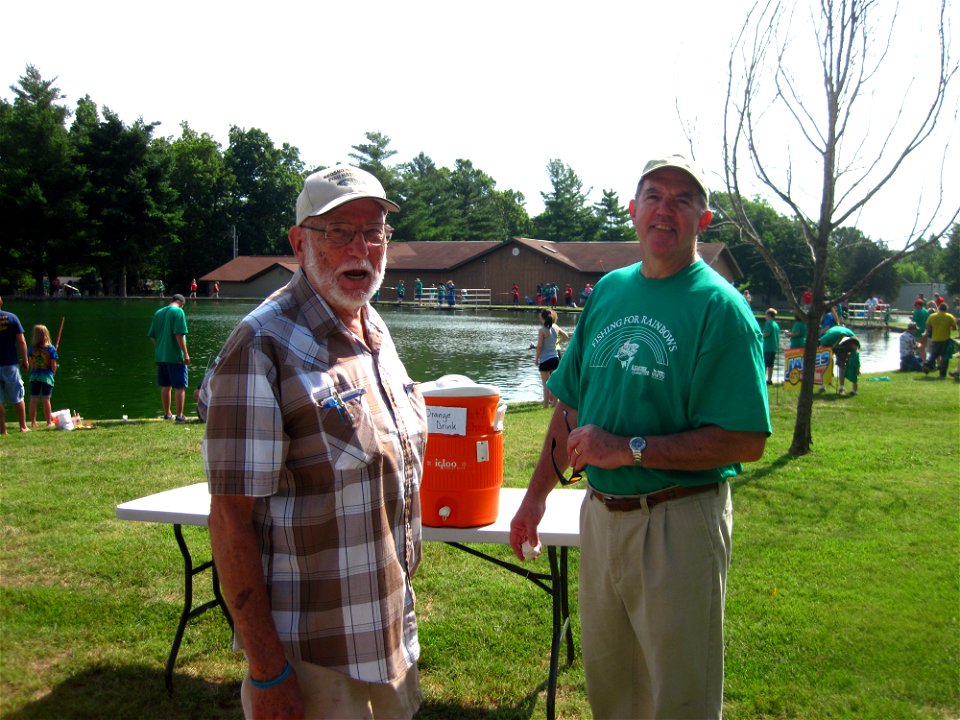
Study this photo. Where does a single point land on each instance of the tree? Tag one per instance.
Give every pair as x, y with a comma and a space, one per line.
911, 272
426, 203
567, 214
267, 180
860, 256
372, 156
951, 261
781, 235
614, 219
459, 204
40, 211
131, 207
204, 188
481, 211
929, 257
509, 207
769, 112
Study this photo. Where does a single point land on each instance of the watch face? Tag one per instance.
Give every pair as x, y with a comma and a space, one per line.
637, 444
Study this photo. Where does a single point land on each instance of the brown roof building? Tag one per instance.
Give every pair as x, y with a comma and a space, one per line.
251, 276
472, 265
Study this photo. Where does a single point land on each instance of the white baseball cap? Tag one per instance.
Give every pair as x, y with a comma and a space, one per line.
328, 189
681, 163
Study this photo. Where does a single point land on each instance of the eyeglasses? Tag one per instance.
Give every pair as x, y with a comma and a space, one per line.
579, 474
342, 234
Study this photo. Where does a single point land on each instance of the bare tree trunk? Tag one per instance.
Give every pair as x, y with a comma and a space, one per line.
851, 52
803, 426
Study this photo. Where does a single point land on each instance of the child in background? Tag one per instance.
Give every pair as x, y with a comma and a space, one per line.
851, 370
43, 364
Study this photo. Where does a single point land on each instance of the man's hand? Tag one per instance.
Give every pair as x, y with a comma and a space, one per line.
280, 702
592, 445
523, 527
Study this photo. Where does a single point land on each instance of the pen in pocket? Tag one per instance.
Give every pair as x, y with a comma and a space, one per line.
338, 399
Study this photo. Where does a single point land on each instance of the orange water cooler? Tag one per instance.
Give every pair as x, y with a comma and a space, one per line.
463, 466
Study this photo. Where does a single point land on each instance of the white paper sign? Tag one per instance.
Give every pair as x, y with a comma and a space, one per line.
446, 420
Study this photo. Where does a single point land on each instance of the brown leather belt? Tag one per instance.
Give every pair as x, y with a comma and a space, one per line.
617, 503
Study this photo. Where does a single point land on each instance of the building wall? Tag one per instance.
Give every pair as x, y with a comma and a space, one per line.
908, 293
501, 268
496, 271
529, 269
259, 287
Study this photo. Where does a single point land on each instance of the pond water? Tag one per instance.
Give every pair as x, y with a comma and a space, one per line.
107, 367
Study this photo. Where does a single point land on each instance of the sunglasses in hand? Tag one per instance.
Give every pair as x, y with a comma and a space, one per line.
578, 475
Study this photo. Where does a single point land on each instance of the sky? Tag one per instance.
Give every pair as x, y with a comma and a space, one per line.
602, 86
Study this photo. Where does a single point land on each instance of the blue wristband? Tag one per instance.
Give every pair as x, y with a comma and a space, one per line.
263, 684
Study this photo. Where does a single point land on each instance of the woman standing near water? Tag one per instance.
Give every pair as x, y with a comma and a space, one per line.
547, 355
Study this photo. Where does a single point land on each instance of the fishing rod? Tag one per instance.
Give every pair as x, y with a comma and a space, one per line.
59, 334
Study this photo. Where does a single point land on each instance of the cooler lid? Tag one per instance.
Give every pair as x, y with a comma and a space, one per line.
457, 386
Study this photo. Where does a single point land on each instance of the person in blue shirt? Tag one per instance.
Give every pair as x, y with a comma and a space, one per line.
12, 342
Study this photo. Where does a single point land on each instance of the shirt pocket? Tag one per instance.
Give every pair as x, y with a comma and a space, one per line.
349, 431
418, 409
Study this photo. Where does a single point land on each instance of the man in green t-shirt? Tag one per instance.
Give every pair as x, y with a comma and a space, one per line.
798, 334
661, 397
168, 330
771, 342
920, 315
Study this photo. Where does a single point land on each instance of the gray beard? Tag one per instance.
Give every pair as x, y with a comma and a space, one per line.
324, 281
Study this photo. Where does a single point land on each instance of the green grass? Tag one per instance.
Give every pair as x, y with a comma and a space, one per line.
843, 597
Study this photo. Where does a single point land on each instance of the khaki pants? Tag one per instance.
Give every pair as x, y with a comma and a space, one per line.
652, 588
331, 695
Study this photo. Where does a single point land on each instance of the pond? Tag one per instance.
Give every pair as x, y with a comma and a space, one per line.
107, 367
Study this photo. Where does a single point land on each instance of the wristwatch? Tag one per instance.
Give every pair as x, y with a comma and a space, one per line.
637, 446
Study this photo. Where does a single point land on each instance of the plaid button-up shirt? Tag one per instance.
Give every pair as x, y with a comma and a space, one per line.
337, 481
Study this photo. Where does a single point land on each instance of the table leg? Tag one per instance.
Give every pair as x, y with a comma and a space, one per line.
565, 603
189, 612
558, 589
561, 623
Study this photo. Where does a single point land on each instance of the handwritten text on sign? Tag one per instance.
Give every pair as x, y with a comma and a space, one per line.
446, 420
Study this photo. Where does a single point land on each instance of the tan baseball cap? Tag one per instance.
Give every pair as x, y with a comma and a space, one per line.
681, 163
328, 189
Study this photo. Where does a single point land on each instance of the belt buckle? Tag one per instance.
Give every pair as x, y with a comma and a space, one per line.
617, 503
608, 499
603, 498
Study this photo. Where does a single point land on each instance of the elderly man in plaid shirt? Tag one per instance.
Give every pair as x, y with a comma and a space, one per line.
314, 453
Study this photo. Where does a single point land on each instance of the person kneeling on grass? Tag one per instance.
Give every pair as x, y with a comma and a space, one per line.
909, 359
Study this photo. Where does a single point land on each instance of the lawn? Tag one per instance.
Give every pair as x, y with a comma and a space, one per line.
843, 596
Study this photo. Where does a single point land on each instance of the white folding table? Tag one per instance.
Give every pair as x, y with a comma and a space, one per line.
559, 529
